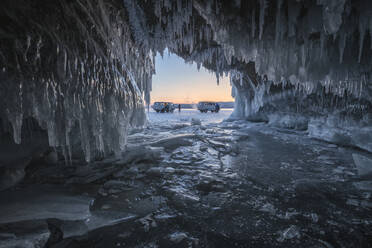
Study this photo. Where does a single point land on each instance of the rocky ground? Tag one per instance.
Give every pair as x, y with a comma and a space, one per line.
197, 182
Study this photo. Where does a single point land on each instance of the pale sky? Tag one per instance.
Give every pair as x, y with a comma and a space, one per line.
178, 82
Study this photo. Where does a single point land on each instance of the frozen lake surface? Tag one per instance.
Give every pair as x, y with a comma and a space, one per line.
186, 115
185, 183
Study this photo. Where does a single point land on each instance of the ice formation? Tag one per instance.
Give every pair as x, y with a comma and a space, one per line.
76, 71
82, 68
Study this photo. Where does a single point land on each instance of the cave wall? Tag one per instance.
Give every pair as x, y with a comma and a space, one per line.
74, 68
82, 69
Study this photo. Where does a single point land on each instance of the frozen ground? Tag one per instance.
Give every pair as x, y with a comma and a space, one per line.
185, 183
186, 115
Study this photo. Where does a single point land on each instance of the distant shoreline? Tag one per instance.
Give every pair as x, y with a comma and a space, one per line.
196, 108
223, 105
188, 109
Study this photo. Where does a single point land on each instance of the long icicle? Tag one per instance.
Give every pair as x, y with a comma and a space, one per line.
263, 5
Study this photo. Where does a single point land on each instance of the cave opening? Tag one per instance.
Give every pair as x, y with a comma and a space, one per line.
190, 90
184, 82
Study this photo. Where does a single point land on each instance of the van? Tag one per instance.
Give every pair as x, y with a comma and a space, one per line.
204, 107
163, 107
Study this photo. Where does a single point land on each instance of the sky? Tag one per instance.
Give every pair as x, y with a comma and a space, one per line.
178, 82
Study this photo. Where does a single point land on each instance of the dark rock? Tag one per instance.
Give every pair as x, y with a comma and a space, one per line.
51, 158
56, 235
10, 177
30, 234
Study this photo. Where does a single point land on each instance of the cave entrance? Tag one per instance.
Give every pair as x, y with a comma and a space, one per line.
183, 83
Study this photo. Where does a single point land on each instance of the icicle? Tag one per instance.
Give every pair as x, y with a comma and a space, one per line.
322, 42
27, 48
263, 5
238, 3
38, 47
16, 122
278, 23
65, 63
293, 12
370, 31
341, 45
253, 25
362, 32
303, 55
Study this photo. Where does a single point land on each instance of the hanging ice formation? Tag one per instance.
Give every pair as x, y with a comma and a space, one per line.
76, 71
82, 68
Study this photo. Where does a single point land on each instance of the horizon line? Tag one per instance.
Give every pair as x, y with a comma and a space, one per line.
176, 102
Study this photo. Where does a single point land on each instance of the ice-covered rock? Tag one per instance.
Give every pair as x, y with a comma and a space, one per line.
323, 131
43, 202
73, 228
203, 148
10, 177
181, 196
169, 170
156, 171
116, 186
364, 185
269, 208
25, 234
362, 138
291, 121
173, 142
14, 158
51, 157
363, 165
314, 217
341, 133
290, 233
195, 121
177, 237
148, 222
135, 154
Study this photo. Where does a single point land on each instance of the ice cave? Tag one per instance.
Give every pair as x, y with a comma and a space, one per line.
82, 164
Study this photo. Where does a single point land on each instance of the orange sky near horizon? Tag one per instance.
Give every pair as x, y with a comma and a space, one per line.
178, 82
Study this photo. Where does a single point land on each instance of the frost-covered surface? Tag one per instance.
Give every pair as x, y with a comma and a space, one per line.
43, 202
342, 132
186, 115
229, 184
82, 68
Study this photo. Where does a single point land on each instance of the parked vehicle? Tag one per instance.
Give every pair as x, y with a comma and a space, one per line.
204, 107
164, 107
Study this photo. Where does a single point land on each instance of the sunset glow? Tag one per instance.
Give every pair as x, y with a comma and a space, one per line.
179, 82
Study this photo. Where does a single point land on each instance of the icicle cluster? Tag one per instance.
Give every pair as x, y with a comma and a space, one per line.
301, 43
82, 68
82, 78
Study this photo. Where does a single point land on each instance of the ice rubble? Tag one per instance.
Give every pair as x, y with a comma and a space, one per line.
83, 71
